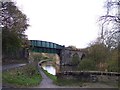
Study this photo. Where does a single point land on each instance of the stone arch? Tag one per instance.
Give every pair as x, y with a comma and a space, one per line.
75, 59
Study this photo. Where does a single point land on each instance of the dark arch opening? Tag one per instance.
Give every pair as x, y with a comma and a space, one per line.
75, 59
83, 55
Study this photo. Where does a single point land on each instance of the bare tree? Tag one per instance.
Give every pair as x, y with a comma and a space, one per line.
110, 32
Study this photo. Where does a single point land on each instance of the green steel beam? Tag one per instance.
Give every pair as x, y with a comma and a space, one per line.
45, 47
45, 44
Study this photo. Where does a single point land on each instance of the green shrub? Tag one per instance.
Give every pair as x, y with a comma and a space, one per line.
87, 64
75, 59
113, 66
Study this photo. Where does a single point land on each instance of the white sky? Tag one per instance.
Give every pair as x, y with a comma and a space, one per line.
65, 22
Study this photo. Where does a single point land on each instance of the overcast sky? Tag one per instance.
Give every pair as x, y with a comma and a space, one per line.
66, 22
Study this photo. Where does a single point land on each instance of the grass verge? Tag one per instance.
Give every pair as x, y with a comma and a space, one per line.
25, 76
68, 82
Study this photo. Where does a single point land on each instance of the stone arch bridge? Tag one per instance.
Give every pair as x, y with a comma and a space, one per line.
65, 54
68, 55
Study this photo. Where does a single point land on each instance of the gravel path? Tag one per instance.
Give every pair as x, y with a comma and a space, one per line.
10, 66
46, 81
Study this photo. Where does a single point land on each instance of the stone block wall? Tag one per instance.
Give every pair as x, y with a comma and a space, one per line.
68, 54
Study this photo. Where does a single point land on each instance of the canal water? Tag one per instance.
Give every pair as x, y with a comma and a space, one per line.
50, 68
56, 68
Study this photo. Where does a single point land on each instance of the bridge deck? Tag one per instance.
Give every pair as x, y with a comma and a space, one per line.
45, 47
45, 44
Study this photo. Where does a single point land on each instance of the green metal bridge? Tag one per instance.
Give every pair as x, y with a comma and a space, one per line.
45, 47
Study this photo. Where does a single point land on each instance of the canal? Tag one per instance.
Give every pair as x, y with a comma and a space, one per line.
54, 69
49, 68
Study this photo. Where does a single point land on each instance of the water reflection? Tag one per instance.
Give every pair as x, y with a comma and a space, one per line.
50, 69
57, 69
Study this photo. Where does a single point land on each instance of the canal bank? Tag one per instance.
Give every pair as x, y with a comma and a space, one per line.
45, 81
49, 83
